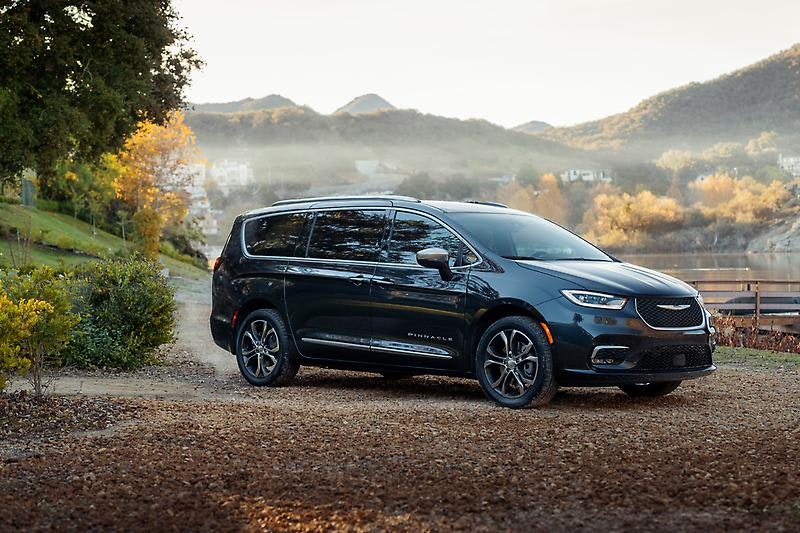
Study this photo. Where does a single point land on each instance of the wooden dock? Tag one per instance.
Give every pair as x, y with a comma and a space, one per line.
767, 304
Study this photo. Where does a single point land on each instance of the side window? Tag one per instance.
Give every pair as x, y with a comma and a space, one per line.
412, 233
273, 235
352, 235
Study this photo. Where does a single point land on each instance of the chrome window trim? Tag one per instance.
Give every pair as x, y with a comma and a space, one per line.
690, 328
351, 261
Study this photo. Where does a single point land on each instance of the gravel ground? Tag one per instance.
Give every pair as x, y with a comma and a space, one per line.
348, 451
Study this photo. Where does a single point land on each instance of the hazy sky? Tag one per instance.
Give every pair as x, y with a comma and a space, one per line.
561, 61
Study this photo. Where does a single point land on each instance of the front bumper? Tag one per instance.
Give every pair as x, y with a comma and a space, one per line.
644, 354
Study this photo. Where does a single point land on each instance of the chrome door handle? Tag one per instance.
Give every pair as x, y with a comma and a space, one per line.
358, 280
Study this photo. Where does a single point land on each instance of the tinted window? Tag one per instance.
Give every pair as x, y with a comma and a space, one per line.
351, 235
519, 236
273, 235
412, 233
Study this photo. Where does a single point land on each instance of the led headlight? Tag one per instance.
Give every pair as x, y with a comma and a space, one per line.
595, 299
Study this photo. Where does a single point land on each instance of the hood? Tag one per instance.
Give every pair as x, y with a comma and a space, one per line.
622, 279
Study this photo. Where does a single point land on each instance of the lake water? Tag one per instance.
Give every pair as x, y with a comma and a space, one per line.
705, 266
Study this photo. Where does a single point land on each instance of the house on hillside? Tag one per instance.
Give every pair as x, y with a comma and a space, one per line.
790, 164
586, 175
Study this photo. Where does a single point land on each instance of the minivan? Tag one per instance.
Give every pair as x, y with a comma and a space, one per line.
402, 287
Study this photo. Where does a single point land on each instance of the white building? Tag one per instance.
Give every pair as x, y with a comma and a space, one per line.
230, 174
586, 175
197, 188
790, 164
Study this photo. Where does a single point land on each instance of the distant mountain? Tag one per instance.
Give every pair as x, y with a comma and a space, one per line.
366, 103
299, 137
764, 96
534, 126
273, 101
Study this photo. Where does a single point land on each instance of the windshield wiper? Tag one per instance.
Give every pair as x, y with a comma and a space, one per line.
521, 257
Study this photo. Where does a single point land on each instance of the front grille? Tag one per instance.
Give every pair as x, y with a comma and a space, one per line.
675, 357
663, 317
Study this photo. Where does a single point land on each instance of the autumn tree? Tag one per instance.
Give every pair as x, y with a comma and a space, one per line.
155, 175
77, 77
542, 197
676, 162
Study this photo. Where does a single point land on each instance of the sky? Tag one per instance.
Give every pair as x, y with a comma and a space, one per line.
506, 61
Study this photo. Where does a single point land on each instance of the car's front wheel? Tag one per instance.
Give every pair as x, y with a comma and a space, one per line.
650, 390
264, 350
514, 363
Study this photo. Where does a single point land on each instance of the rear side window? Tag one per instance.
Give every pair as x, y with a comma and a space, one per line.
412, 233
275, 235
351, 235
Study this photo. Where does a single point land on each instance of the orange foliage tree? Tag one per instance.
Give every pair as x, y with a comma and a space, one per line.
155, 176
543, 199
738, 199
623, 220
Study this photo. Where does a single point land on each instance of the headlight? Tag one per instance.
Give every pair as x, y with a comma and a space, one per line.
595, 299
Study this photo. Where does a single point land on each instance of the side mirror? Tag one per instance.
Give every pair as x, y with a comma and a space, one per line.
436, 258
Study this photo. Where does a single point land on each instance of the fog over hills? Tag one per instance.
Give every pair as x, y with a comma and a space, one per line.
764, 96
366, 103
272, 101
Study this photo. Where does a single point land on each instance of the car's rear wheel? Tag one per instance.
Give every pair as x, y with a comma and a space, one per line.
514, 363
650, 390
264, 350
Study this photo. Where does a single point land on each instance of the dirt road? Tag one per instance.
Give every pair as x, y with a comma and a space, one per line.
199, 450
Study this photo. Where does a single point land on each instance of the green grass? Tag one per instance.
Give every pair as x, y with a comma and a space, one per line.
753, 357
62, 231
69, 235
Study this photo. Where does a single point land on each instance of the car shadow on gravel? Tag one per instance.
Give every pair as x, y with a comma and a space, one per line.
610, 398
461, 389
429, 386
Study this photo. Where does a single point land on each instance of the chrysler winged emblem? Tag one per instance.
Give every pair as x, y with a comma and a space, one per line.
673, 307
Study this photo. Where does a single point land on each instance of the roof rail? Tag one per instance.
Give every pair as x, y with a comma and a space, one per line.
347, 198
495, 204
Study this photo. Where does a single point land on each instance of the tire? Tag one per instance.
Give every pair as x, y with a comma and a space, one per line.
650, 390
271, 363
527, 377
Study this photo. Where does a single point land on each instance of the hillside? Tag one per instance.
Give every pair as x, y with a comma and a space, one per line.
366, 103
61, 238
300, 137
764, 96
534, 126
272, 101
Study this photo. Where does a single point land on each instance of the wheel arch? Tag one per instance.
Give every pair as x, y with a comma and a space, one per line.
487, 316
248, 307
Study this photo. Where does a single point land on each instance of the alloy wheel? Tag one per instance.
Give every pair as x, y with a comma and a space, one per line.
511, 363
260, 349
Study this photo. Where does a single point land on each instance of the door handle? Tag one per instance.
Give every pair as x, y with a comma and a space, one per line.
358, 280
383, 281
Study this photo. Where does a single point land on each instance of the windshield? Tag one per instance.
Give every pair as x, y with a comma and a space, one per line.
520, 236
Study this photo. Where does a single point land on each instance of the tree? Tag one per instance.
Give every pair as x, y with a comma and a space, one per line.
155, 175
77, 78
543, 198
677, 162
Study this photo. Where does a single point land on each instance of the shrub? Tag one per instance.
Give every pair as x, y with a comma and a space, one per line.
10, 200
128, 311
40, 305
16, 323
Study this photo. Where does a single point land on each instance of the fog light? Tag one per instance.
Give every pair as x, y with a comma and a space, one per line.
609, 355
